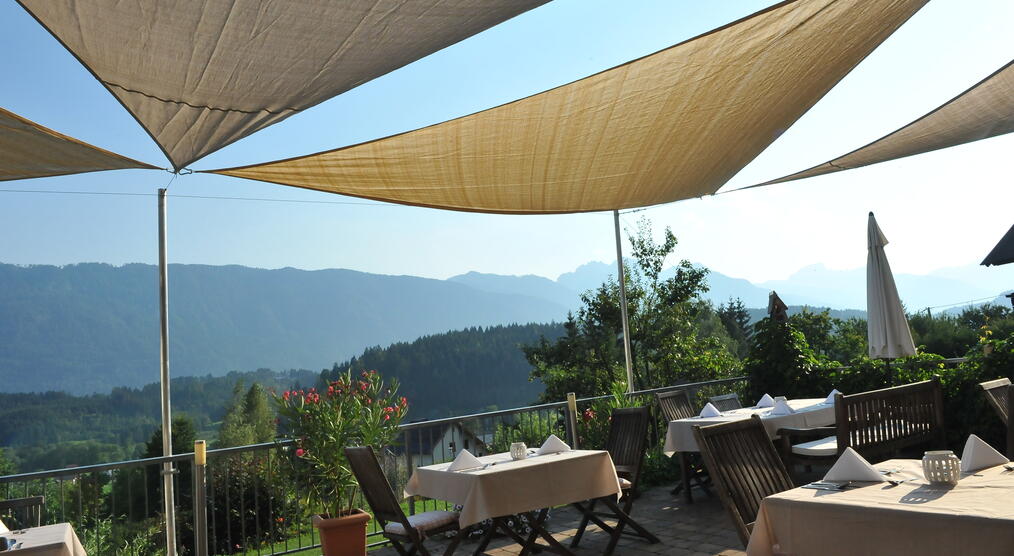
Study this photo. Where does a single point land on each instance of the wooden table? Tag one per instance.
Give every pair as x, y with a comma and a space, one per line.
810, 412
505, 487
974, 517
48, 540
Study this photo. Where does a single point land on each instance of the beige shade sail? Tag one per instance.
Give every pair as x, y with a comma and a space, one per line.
28, 150
673, 125
986, 110
201, 74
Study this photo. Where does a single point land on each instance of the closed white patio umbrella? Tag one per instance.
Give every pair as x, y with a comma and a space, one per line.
888, 332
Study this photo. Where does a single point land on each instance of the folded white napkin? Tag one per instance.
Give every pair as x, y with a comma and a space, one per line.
979, 455
464, 460
553, 445
766, 401
3, 528
782, 408
830, 397
853, 467
710, 411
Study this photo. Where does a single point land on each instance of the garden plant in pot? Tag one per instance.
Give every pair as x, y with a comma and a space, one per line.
353, 411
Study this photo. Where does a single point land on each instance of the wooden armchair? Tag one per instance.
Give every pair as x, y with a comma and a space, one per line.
877, 424
745, 468
628, 433
1000, 394
726, 402
398, 527
675, 405
31, 510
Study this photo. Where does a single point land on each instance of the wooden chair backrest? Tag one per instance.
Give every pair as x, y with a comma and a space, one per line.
998, 396
626, 444
881, 423
745, 467
375, 486
675, 404
30, 506
725, 402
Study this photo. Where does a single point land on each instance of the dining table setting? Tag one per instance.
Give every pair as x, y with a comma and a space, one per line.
775, 413
523, 481
940, 505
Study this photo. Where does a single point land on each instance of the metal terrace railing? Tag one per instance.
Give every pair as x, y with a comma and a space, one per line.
245, 500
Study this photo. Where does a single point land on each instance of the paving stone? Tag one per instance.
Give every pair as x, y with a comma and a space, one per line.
698, 529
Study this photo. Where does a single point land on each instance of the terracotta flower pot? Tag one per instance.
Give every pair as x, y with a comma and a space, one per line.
343, 536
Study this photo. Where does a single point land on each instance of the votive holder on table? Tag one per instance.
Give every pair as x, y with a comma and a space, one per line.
519, 450
941, 467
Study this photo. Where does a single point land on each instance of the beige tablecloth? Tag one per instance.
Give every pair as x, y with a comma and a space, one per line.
812, 412
510, 487
48, 540
975, 517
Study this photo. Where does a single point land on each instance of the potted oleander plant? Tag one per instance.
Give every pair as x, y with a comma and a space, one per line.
355, 410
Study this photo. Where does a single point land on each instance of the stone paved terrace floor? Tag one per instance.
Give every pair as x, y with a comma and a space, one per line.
698, 529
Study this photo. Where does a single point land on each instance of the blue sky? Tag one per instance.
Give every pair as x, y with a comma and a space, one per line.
939, 210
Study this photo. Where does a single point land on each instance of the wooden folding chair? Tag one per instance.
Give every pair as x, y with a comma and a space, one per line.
1000, 394
726, 402
628, 431
675, 405
31, 510
398, 527
744, 467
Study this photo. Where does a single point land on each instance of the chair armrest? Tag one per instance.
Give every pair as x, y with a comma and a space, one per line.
815, 433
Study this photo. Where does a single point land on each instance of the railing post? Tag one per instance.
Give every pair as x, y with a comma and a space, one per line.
408, 470
572, 419
200, 499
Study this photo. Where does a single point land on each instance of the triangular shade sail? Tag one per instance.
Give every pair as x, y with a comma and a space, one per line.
673, 125
28, 150
986, 110
1003, 253
200, 74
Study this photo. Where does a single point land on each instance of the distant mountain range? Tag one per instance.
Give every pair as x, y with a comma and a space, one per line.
89, 327
814, 286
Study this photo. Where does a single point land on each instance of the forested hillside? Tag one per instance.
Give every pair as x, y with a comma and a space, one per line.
91, 327
443, 374
55, 429
459, 372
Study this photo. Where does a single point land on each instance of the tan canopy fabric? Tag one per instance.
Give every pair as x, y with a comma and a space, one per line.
28, 150
200, 74
673, 125
986, 110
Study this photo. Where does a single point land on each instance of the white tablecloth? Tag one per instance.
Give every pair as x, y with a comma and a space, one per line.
974, 517
48, 540
811, 412
511, 487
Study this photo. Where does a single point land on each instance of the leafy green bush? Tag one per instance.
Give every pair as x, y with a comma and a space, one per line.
781, 363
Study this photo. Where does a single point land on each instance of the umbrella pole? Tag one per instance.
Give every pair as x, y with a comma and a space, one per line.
167, 447
623, 303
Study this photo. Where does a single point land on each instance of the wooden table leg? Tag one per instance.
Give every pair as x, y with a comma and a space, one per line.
685, 474
536, 521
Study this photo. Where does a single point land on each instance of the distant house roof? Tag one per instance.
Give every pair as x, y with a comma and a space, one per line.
424, 440
1003, 253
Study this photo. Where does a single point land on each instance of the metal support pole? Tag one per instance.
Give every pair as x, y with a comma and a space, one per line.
167, 447
623, 304
572, 419
200, 499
